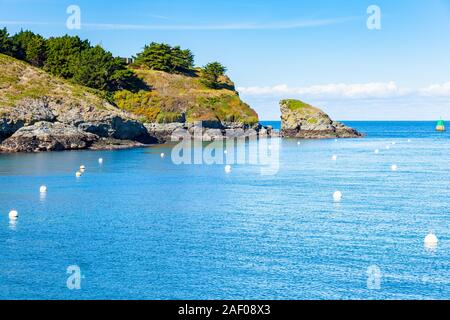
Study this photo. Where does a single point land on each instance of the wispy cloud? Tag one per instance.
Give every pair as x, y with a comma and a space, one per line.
25, 23
340, 90
280, 25
372, 90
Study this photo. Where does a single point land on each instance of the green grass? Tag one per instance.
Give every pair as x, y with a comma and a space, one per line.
173, 95
19, 81
295, 105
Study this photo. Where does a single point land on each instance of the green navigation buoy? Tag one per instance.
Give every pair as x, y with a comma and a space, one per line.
440, 126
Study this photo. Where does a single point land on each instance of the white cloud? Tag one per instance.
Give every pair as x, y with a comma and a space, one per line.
280, 25
436, 90
340, 90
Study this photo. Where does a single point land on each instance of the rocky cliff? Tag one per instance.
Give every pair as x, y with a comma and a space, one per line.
301, 120
39, 112
173, 101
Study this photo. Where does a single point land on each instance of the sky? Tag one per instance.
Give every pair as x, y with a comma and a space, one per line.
321, 51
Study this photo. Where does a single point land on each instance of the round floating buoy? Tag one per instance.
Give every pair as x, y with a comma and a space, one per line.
43, 189
228, 169
388, 147
409, 140
431, 241
377, 151
225, 152
82, 168
78, 174
298, 143
394, 167
100, 160
162, 155
393, 143
334, 157
13, 214
337, 196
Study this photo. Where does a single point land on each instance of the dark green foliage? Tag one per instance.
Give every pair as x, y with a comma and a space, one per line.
163, 57
62, 55
71, 58
30, 47
211, 74
96, 68
5, 42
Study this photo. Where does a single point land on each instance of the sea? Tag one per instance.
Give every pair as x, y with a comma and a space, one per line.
140, 225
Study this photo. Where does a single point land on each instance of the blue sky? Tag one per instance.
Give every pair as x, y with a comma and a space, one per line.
319, 51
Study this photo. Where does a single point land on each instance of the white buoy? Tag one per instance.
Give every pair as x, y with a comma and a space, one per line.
298, 143
162, 155
334, 157
78, 174
388, 147
394, 143
335, 140
409, 140
228, 169
337, 196
225, 152
377, 151
100, 160
13, 215
394, 167
431, 241
43, 189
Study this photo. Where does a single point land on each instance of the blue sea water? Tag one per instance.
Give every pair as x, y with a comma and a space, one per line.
141, 227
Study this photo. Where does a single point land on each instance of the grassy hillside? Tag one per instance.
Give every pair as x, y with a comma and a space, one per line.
167, 98
179, 98
19, 81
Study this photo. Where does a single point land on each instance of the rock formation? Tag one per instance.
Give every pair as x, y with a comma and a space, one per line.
301, 120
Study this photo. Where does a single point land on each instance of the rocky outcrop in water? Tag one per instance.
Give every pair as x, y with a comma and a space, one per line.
301, 120
48, 136
205, 131
47, 124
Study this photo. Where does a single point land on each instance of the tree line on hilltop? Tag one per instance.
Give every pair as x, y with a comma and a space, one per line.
77, 60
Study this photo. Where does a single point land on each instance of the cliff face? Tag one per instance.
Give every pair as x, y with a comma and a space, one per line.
301, 120
39, 112
182, 101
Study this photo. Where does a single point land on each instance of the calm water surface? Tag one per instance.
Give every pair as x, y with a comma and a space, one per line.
140, 227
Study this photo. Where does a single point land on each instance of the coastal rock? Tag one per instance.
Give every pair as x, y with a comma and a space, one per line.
301, 120
205, 130
163, 132
47, 136
107, 122
25, 112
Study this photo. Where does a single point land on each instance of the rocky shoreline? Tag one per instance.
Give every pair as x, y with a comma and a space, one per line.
39, 125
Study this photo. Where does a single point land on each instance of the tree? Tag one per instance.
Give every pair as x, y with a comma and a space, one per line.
6, 46
30, 47
98, 69
211, 74
181, 60
163, 57
62, 53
